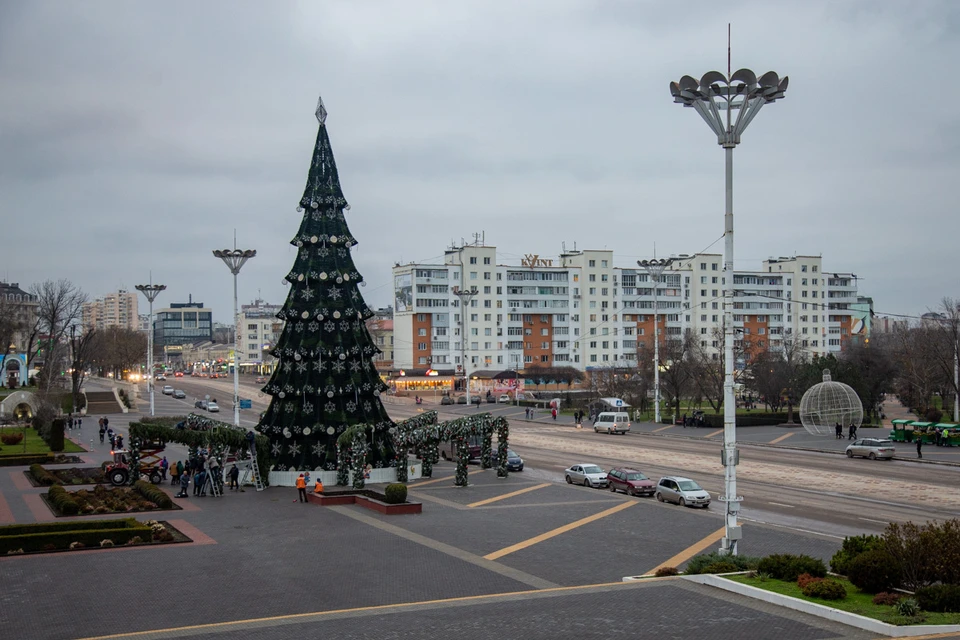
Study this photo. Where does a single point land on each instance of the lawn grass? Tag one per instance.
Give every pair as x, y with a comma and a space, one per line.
856, 602
35, 444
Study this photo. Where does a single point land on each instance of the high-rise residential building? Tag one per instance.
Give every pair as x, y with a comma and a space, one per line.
112, 310
257, 331
581, 311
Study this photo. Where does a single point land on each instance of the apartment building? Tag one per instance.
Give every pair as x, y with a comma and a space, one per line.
258, 330
380, 326
112, 310
580, 310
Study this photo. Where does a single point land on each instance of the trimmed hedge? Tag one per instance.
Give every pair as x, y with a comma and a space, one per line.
23, 461
395, 493
153, 494
939, 597
753, 419
60, 535
55, 435
43, 476
63, 501
788, 567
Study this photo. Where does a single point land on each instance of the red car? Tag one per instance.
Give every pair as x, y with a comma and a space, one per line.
630, 481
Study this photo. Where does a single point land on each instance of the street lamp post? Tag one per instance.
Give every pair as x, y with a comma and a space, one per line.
711, 96
465, 297
655, 269
235, 259
151, 291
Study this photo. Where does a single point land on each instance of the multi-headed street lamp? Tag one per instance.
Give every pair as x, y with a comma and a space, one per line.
715, 97
235, 259
465, 297
655, 269
151, 291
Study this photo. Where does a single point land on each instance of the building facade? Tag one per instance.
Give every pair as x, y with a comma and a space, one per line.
112, 310
182, 323
380, 326
19, 315
581, 311
258, 329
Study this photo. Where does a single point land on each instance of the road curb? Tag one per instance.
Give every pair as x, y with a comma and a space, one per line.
821, 611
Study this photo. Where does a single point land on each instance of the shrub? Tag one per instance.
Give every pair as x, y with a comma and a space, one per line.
77, 545
55, 437
698, 564
874, 571
41, 475
786, 566
10, 438
908, 607
395, 493
720, 567
887, 598
135, 540
663, 572
154, 494
852, 547
826, 589
106, 543
14, 552
804, 579
939, 597
62, 501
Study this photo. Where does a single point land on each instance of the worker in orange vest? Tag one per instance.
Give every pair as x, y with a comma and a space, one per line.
302, 488
318, 488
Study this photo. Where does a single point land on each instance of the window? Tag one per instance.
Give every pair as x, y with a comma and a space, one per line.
251, 327
544, 345
592, 263
593, 291
421, 346
703, 265
714, 266
473, 259
603, 263
814, 269
603, 276
486, 260
488, 332
593, 277
803, 268
486, 290
473, 275
421, 317
421, 331
544, 332
486, 275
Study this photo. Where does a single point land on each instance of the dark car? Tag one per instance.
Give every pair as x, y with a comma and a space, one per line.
630, 481
491, 398
514, 462
446, 400
461, 399
200, 404
475, 400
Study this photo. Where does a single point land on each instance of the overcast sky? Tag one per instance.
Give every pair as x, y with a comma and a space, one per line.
135, 136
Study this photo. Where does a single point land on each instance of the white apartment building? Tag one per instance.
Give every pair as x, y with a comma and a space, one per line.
258, 330
112, 310
580, 310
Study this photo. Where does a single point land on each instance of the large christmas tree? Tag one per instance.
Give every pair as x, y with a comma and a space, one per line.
325, 380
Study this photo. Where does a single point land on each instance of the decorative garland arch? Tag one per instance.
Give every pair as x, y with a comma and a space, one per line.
424, 434
352, 451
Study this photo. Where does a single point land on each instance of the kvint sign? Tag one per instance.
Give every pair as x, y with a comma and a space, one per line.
534, 260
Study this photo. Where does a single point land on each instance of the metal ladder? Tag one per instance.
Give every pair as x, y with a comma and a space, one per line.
213, 485
251, 471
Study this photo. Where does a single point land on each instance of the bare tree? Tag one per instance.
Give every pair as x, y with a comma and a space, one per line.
60, 304
115, 349
710, 366
914, 349
948, 345
677, 370
81, 355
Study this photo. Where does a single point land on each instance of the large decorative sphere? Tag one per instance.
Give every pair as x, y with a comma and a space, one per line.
828, 403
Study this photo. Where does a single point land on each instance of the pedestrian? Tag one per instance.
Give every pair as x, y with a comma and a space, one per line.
200, 484
302, 488
106, 422
234, 475
306, 478
919, 445
180, 468
854, 427
851, 432
554, 413
937, 437
184, 485
174, 475
80, 423
163, 468
838, 431
684, 420
119, 441
102, 432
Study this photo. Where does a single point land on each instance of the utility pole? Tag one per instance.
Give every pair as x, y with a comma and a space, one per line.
465, 297
655, 269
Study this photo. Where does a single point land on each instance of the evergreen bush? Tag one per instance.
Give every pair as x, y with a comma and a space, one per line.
939, 597
788, 567
852, 547
55, 434
698, 564
874, 571
826, 589
395, 493
720, 567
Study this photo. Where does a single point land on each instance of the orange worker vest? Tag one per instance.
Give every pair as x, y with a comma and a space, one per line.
319, 487
301, 483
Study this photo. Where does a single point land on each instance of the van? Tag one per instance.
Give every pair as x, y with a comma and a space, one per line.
612, 422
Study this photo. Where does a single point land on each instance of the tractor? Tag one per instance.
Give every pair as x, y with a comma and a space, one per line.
118, 470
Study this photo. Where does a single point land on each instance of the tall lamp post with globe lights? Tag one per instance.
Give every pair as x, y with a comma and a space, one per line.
465, 297
150, 291
716, 97
235, 259
655, 269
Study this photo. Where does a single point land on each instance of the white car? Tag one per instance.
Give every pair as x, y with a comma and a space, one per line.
212, 407
504, 398
167, 390
589, 475
873, 448
683, 491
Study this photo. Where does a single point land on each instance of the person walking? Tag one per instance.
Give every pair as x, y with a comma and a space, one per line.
80, 423
838, 431
184, 485
163, 468
180, 468
554, 413
119, 441
302, 488
851, 432
234, 475
103, 432
919, 446
174, 475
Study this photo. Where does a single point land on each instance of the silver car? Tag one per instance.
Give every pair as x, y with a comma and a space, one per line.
589, 475
683, 491
213, 407
872, 448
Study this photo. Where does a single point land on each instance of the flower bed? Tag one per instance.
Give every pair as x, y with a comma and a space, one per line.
37, 458
51, 537
142, 496
39, 476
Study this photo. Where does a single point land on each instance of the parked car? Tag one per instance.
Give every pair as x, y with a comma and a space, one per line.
589, 475
167, 390
612, 422
475, 400
683, 491
213, 407
872, 448
200, 404
630, 481
504, 398
446, 400
491, 398
514, 461
179, 394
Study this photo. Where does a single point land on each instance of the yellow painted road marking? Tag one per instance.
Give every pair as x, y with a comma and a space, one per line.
321, 614
669, 426
555, 532
418, 484
783, 437
714, 433
509, 495
690, 551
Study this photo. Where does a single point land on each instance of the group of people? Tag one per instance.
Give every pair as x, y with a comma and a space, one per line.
73, 423
851, 431
303, 481
695, 420
205, 470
